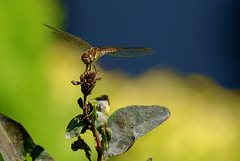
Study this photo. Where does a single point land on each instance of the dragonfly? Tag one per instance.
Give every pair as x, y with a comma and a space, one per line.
92, 54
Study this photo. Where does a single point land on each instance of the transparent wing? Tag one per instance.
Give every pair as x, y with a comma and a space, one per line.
73, 39
127, 51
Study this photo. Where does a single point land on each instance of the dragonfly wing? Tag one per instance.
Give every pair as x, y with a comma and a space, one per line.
128, 51
73, 39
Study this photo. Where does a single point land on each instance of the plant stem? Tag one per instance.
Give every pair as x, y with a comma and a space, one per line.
85, 106
99, 147
94, 130
99, 157
84, 99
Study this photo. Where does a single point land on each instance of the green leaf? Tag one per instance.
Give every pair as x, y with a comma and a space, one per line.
104, 132
78, 125
93, 115
129, 123
80, 144
80, 103
150, 159
40, 154
101, 120
15, 142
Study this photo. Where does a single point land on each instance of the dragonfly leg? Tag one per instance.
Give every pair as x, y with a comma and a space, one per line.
87, 66
95, 67
90, 66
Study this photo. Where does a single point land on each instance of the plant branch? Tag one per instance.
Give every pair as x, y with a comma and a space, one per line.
94, 130
88, 81
99, 146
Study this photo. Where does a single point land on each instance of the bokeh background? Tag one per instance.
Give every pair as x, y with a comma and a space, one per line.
195, 72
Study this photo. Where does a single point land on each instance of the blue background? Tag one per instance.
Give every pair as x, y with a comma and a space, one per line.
191, 36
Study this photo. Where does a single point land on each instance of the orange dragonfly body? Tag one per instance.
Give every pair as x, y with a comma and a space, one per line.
92, 54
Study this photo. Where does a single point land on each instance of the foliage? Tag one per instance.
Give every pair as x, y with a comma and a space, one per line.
130, 123
116, 134
16, 142
113, 135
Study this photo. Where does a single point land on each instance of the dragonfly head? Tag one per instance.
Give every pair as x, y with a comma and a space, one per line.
87, 58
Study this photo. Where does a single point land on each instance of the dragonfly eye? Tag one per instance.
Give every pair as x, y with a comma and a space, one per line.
86, 58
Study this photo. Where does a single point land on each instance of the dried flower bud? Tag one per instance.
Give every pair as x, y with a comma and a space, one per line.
88, 81
98, 78
75, 82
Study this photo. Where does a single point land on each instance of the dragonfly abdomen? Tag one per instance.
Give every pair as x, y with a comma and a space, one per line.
108, 50
101, 52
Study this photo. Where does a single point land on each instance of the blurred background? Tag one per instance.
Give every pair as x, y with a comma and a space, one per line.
194, 72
